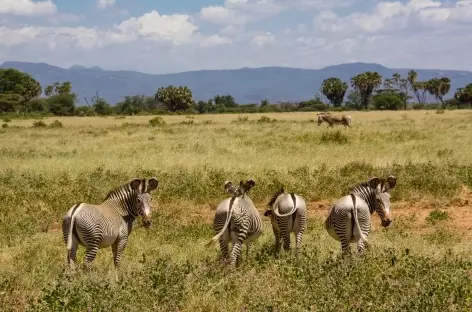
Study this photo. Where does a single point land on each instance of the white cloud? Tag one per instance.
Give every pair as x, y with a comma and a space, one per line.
27, 7
265, 39
103, 4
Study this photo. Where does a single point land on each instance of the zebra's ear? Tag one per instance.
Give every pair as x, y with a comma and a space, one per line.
390, 184
250, 184
135, 183
152, 184
374, 183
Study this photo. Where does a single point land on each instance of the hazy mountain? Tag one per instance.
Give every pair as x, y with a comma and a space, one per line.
246, 85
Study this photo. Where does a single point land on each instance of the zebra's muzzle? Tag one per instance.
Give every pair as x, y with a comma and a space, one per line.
386, 222
147, 223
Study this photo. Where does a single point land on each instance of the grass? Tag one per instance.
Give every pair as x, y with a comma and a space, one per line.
421, 263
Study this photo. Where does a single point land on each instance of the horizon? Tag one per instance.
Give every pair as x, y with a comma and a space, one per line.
234, 69
162, 37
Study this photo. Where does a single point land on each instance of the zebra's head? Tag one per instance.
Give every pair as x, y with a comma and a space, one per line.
382, 197
320, 119
245, 187
143, 189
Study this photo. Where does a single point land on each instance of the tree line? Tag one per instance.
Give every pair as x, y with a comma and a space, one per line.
21, 94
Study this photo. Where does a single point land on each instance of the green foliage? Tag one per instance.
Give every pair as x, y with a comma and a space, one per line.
387, 100
5, 125
265, 119
334, 89
313, 105
175, 98
438, 87
62, 104
16, 83
436, 216
102, 108
365, 84
226, 101
57, 88
464, 95
156, 121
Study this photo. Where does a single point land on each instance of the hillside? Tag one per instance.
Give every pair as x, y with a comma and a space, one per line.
246, 85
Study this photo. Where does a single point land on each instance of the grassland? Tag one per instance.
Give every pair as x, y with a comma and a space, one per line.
422, 262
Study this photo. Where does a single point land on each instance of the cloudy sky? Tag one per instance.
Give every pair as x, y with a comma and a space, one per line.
162, 36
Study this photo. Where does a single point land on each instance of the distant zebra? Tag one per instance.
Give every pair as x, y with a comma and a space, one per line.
288, 214
332, 120
236, 218
109, 223
349, 219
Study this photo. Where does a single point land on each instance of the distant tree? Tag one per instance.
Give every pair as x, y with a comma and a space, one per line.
16, 89
365, 83
101, 107
62, 104
439, 87
353, 100
387, 101
175, 98
464, 95
226, 101
264, 102
420, 91
58, 89
334, 89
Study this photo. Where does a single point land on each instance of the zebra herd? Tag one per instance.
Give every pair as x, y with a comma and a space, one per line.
236, 218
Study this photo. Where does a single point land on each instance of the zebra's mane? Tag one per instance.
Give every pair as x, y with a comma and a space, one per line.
274, 196
361, 185
124, 188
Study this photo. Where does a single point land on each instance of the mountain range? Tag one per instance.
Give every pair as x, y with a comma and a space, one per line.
246, 85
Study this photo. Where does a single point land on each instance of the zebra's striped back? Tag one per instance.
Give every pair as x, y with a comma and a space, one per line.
288, 214
236, 218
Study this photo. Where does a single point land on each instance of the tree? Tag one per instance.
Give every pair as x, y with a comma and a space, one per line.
353, 100
17, 88
365, 84
226, 101
62, 104
387, 100
175, 98
57, 88
420, 90
439, 87
464, 95
334, 89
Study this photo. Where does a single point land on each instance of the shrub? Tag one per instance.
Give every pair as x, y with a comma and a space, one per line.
336, 137
156, 121
56, 124
39, 124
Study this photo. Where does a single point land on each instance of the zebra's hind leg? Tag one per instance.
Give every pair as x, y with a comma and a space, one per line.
71, 254
298, 242
224, 248
277, 242
286, 240
90, 255
237, 245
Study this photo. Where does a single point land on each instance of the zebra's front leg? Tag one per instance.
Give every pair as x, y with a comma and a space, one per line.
117, 248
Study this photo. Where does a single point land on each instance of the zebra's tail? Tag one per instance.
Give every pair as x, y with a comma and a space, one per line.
276, 208
71, 226
356, 220
228, 218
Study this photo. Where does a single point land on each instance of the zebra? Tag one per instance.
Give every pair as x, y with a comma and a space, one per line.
109, 223
331, 120
236, 218
288, 214
349, 218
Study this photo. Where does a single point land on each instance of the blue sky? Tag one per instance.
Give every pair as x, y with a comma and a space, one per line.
162, 36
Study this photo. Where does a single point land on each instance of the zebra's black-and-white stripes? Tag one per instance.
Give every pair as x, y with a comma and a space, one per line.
236, 218
288, 214
109, 223
349, 219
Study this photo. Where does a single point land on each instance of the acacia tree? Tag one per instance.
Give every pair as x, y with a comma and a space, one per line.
334, 90
57, 88
464, 95
16, 89
402, 85
420, 91
175, 98
365, 83
439, 87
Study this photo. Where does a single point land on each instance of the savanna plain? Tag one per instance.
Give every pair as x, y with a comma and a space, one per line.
422, 262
